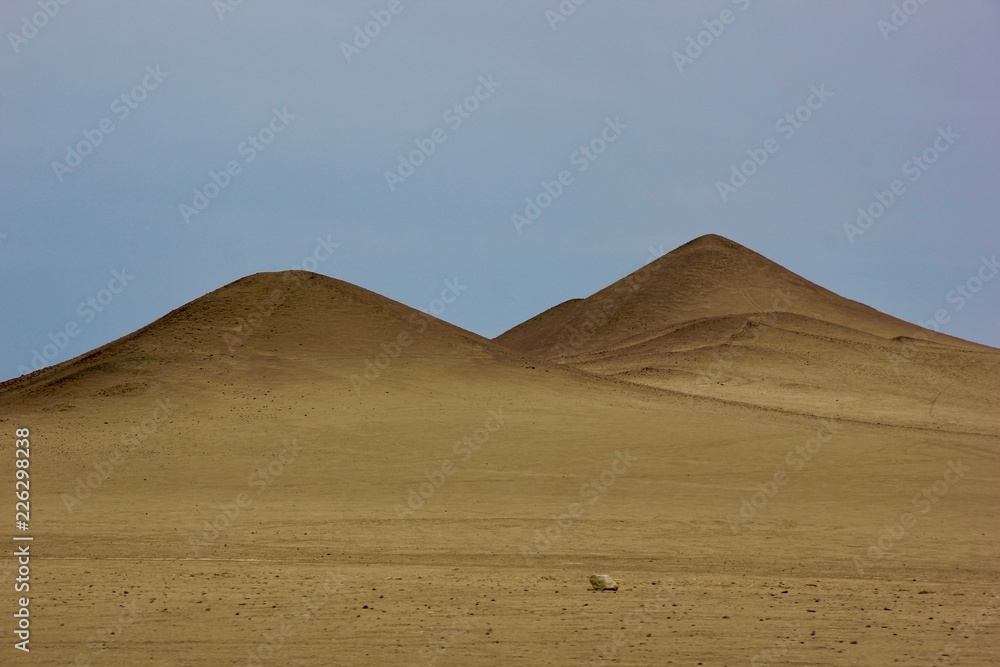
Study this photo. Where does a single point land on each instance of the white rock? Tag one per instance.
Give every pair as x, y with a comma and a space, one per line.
603, 582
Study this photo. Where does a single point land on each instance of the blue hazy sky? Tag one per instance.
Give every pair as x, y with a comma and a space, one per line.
113, 115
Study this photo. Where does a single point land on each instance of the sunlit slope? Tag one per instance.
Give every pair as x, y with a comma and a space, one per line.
713, 318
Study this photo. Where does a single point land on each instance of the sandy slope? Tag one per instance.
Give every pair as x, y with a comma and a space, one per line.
281, 508
713, 318
710, 276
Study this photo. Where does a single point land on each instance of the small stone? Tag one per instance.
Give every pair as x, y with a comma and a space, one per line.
603, 582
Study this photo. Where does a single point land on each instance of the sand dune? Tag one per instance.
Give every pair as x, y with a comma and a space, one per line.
293, 470
713, 318
710, 276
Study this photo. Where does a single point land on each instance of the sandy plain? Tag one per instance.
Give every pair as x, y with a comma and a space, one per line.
808, 484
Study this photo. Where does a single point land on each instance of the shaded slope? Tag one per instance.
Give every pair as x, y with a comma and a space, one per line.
277, 325
713, 318
791, 362
710, 276
220, 484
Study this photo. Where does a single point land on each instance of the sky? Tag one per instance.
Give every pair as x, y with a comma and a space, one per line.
510, 154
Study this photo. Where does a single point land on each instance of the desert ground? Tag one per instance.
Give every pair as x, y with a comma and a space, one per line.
292, 470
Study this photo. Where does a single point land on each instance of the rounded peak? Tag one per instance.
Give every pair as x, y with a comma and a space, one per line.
293, 280
268, 277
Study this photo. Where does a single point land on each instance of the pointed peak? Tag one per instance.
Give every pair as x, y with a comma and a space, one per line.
710, 238
713, 241
715, 258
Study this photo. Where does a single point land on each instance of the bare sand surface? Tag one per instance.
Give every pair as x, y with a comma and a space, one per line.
228, 487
